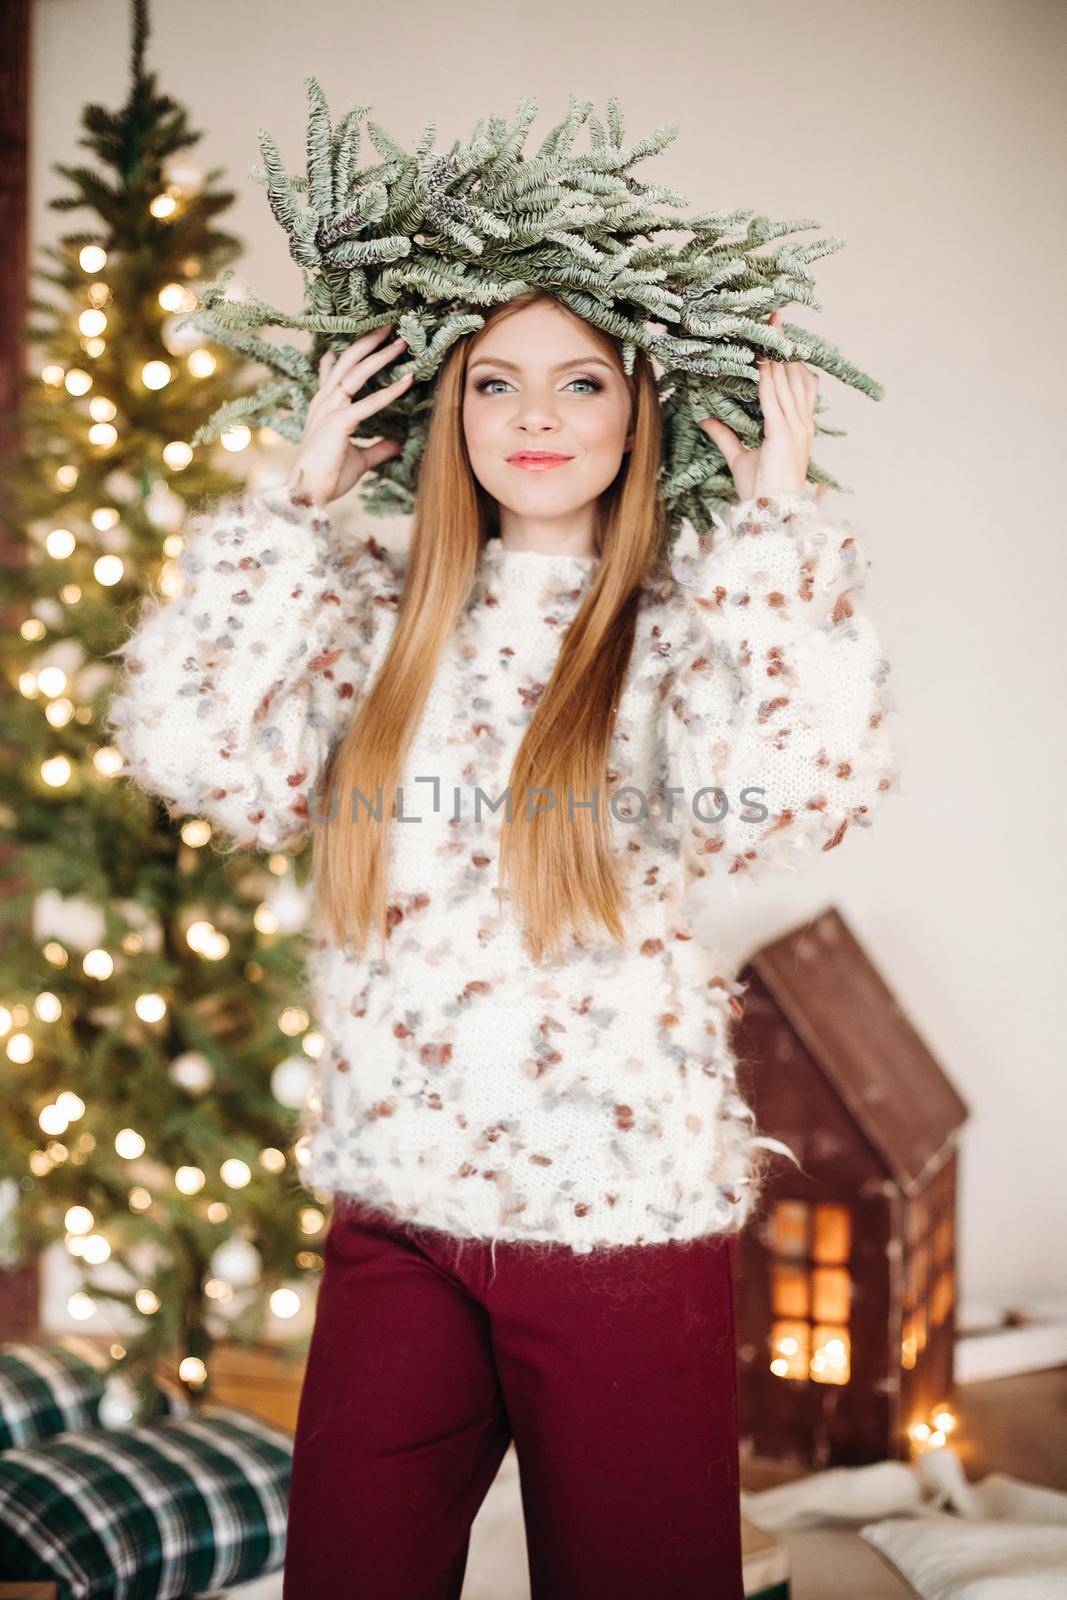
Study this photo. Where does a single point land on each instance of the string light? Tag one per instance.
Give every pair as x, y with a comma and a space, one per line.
163, 206
80, 1306
235, 437
77, 381
79, 1219
285, 1302
150, 1007
154, 374
60, 543
56, 771
101, 409
92, 322
146, 1302
104, 434
235, 1174
189, 1180
97, 964
129, 1144
92, 258
108, 570
201, 363
176, 297
51, 681
192, 1370
177, 455
52, 375
66, 477
108, 761
58, 712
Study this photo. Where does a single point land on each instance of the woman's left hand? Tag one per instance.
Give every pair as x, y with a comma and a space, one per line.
779, 465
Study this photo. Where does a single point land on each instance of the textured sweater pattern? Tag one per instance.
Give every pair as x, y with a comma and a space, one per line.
591, 1100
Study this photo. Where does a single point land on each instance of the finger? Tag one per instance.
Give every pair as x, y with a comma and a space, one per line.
368, 404
355, 353
374, 454
724, 436
356, 378
786, 399
770, 405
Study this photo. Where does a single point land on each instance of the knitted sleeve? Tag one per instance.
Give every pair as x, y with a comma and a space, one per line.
229, 697
778, 698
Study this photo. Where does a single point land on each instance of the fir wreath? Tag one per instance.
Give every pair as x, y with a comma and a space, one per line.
424, 239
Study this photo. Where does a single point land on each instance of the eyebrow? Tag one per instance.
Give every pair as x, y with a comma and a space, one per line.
512, 366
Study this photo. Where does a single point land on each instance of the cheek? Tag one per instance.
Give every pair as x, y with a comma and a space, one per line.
478, 428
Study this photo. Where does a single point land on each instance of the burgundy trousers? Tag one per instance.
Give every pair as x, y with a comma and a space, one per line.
614, 1373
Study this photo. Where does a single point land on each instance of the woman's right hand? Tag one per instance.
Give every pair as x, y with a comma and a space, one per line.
327, 462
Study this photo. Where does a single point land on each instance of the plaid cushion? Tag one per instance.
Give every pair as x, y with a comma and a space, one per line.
172, 1508
50, 1388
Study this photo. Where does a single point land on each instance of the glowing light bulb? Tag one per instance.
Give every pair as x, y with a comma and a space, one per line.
71, 1105
285, 1302
79, 1219
235, 437
150, 1007
105, 434
176, 297
101, 409
103, 518
77, 381
146, 1302
129, 1144
92, 323
108, 570
56, 771
156, 374
108, 761
92, 258
177, 454
52, 375
60, 543
163, 206
201, 363
59, 712
192, 1370
189, 1180
97, 964
95, 1249
52, 1120
80, 1306
51, 681
235, 1174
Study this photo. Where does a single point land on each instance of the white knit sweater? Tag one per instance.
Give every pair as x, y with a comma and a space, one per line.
591, 1101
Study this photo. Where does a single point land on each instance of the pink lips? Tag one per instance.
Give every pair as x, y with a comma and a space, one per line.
536, 460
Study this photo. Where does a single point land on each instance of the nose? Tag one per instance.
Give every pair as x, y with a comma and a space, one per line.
536, 414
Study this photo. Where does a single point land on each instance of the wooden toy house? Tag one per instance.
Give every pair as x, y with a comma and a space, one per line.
847, 1269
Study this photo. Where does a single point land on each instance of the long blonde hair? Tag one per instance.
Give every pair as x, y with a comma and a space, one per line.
561, 872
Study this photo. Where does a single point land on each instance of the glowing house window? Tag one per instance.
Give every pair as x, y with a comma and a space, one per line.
811, 1291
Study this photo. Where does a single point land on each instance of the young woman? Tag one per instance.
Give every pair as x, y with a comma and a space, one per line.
526, 1110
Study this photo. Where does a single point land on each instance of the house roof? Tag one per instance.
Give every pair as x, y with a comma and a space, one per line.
850, 1022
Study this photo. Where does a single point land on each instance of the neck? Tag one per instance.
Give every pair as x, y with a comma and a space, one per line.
572, 535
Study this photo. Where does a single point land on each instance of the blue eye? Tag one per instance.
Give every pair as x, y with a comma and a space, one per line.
483, 387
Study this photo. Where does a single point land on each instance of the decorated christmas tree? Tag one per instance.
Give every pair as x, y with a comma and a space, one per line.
151, 990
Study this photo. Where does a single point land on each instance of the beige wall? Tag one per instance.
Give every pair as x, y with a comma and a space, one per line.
928, 136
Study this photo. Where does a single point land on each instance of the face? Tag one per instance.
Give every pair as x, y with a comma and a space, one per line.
538, 382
